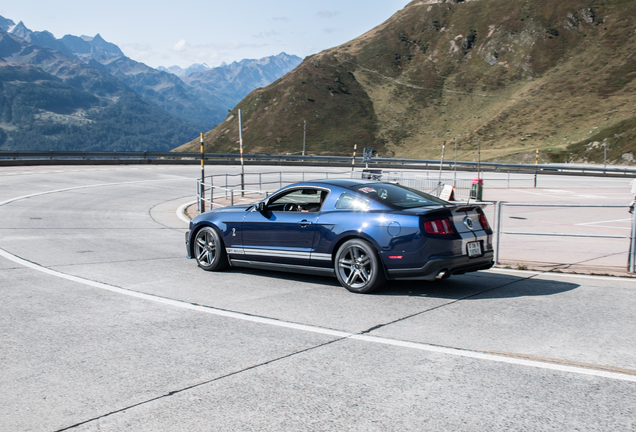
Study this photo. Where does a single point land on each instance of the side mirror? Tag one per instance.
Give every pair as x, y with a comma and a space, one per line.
261, 206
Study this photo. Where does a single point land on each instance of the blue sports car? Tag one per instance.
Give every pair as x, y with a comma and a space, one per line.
363, 232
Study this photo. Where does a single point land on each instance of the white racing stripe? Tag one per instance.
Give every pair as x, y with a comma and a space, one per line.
321, 330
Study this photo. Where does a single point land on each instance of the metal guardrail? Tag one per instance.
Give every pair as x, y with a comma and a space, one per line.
194, 158
631, 258
227, 186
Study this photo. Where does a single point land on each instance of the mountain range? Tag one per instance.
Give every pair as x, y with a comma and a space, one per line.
502, 77
180, 72
64, 93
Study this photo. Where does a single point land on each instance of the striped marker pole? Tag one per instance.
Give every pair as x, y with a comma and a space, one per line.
241, 149
202, 202
353, 161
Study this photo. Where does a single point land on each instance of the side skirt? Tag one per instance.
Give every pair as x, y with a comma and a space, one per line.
318, 271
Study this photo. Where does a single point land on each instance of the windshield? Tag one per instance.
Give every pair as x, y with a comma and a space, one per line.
397, 196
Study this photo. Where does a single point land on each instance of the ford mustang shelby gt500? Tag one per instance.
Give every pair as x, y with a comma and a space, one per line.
363, 232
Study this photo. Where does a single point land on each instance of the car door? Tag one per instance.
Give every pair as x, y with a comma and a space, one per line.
283, 232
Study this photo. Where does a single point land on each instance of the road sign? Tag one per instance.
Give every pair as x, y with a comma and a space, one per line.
367, 154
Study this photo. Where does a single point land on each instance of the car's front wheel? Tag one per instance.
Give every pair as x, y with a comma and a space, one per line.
209, 250
358, 268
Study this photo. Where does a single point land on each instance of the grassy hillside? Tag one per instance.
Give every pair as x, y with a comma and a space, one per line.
516, 75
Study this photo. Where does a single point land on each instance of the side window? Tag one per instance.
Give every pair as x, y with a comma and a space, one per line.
302, 200
290, 197
351, 202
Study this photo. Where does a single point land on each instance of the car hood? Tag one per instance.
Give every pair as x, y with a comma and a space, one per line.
231, 209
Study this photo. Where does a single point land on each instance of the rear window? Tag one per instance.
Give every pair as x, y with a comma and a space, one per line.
351, 202
397, 196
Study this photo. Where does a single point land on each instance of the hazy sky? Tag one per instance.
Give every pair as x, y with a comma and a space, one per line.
166, 33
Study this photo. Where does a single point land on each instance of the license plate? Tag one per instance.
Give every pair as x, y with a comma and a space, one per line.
474, 249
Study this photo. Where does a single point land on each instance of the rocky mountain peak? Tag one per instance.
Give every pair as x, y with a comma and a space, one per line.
6, 24
20, 30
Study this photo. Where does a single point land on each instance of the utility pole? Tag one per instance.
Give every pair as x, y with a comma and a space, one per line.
455, 178
479, 158
536, 168
441, 163
304, 135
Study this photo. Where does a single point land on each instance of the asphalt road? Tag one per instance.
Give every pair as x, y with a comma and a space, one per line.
105, 326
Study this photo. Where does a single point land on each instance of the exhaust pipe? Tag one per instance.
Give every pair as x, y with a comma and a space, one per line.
443, 274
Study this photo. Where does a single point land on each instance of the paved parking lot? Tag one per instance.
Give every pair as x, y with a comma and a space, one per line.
106, 326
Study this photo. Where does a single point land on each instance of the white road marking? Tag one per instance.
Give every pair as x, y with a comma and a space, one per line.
607, 221
181, 212
85, 187
321, 330
556, 192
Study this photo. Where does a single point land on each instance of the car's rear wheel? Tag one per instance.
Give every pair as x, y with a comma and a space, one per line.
358, 267
209, 250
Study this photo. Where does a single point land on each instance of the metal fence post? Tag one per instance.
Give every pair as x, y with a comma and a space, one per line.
497, 230
211, 191
231, 196
199, 195
632, 247
202, 197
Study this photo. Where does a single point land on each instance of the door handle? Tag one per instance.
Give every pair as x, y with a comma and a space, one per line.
304, 222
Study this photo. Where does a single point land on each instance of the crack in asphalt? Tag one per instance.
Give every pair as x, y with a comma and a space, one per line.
588, 260
379, 326
161, 203
200, 384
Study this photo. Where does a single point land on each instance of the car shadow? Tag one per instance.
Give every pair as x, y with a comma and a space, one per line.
289, 276
479, 285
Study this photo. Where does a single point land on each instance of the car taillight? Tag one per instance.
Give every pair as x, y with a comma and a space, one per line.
483, 221
439, 226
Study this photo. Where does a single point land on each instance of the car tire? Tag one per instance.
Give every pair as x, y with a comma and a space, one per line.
358, 267
209, 250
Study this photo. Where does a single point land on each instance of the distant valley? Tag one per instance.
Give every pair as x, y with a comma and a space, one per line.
83, 93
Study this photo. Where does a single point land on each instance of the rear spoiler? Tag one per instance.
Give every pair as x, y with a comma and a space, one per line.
466, 208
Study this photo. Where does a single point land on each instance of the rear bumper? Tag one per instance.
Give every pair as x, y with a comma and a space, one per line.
454, 265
